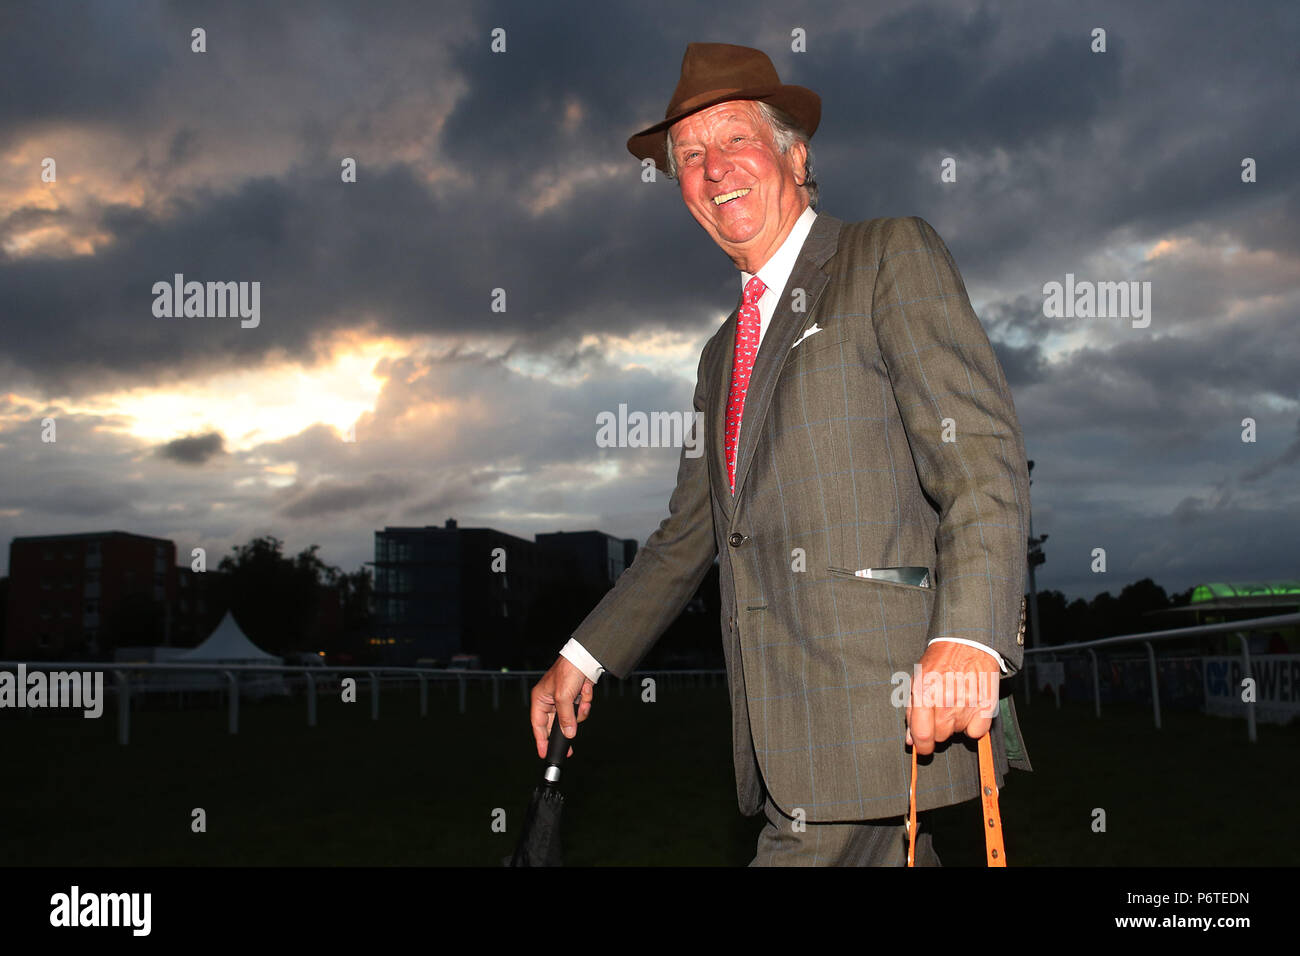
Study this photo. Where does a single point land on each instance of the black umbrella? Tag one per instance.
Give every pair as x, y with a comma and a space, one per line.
539, 844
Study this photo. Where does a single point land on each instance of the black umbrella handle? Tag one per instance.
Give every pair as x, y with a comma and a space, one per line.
556, 749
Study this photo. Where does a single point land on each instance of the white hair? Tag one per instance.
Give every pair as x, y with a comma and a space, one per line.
785, 133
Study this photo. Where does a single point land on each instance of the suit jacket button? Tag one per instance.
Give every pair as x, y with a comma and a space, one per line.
735, 540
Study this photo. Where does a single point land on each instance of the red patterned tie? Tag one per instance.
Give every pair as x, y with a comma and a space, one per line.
747, 324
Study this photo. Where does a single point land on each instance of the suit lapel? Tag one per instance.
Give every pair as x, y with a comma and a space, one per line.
785, 326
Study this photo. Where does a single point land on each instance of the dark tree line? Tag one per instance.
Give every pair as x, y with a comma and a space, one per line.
1065, 622
298, 603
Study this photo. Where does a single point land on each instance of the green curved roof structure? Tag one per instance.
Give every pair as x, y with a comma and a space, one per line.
1222, 590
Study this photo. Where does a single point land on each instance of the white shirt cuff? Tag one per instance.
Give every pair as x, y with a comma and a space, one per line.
961, 640
577, 655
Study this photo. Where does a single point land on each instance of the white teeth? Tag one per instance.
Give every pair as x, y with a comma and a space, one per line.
727, 197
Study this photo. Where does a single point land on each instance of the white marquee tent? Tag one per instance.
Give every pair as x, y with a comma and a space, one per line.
228, 645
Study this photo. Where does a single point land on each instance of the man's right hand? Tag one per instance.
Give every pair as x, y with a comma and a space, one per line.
555, 693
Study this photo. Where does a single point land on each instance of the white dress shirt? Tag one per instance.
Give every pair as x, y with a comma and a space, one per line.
775, 273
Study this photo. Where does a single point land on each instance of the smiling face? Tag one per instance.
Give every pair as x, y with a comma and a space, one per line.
736, 182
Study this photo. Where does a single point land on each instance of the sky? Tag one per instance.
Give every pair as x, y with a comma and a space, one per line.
380, 386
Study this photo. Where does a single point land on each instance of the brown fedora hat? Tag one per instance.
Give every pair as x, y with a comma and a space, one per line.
713, 73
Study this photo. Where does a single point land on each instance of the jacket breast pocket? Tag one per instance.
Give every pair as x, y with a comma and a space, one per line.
819, 349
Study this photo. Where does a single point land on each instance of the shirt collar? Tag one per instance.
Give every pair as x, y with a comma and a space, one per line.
775, 273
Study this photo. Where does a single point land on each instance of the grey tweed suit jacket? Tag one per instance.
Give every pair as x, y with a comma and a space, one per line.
888, 438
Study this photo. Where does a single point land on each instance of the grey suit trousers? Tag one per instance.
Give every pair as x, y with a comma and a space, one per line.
784, 842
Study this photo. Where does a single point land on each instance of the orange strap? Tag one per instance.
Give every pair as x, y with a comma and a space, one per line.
997, 855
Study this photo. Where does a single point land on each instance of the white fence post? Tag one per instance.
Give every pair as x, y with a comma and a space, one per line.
1155, 683
1250, 704
232, 722
1096, 682
123, 707
311, 698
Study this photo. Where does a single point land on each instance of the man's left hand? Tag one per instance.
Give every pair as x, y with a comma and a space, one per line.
957, 691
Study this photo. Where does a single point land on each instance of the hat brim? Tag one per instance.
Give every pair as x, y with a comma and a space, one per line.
801, 103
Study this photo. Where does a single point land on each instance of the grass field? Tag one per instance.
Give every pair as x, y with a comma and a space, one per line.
650, 784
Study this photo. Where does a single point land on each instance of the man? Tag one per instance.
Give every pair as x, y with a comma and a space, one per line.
864, 486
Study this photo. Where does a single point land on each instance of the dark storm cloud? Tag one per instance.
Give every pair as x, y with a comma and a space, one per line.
1148, 136
1021, 364
456, 494
931, 75
1168, 390
1289, 458
952, 77
335, 497
75, 494
514, 111
193, 449
80, 62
